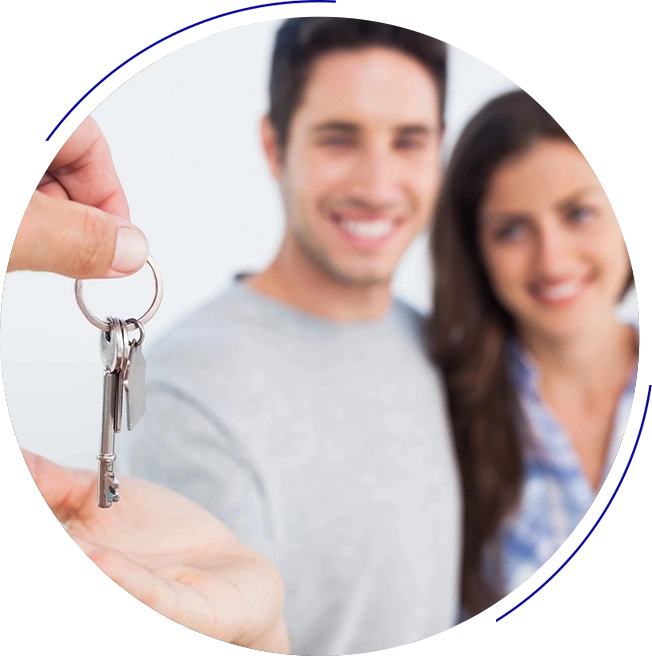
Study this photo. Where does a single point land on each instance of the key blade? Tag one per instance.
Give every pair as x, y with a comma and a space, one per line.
106, 458
107, 483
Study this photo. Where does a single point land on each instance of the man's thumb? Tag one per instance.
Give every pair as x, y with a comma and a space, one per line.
76, 240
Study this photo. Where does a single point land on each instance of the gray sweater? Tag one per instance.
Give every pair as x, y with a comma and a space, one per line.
325, 447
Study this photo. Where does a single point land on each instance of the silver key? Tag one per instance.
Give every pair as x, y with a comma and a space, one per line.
133, 379
112, 350
124, 380
123, 358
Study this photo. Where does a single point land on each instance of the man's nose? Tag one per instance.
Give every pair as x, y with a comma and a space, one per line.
376, 176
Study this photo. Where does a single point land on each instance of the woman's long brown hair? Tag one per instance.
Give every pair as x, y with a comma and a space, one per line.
469, 336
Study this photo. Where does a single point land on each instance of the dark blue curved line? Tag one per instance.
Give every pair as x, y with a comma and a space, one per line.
294, 2
169, 36
629, 462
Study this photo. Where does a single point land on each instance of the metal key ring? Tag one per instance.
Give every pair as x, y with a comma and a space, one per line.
151, 311
141, 337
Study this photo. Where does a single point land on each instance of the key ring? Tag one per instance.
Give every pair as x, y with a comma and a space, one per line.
151, 311
137, 324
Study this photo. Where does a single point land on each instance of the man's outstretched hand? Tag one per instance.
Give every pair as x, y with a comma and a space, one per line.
170, 554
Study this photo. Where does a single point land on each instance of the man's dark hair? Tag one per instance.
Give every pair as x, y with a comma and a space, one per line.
301, 41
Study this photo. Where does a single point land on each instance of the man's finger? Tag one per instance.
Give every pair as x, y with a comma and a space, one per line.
84, 168
50, 186
76, 240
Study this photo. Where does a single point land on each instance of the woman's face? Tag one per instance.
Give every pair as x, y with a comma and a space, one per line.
551, 244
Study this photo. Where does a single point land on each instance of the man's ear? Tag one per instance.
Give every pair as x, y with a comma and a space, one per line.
271, 147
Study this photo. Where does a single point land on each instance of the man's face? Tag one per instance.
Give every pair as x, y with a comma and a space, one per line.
360, 171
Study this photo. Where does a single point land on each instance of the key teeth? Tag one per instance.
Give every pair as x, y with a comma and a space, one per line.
114, 484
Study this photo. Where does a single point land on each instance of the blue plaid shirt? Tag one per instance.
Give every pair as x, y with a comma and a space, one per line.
556, 493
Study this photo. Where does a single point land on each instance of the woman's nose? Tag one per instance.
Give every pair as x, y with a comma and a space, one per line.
554, 251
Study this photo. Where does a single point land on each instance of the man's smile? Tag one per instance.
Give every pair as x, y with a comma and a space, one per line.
366, 228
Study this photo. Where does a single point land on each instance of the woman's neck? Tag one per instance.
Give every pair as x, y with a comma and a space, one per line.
581, 381
589, 360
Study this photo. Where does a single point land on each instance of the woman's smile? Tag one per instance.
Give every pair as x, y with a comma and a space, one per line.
561, 292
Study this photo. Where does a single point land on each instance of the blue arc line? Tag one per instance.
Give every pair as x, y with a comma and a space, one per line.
169, 36
295, 2
629, 462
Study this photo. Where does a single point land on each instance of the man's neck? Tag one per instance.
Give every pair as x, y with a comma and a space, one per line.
293, 279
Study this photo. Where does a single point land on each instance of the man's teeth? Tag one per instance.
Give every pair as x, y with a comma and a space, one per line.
560, 292
368, 229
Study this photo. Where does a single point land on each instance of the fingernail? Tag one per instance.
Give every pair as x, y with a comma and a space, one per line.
131, 250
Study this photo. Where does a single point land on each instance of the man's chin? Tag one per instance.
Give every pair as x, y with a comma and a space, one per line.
361, 279
350, 274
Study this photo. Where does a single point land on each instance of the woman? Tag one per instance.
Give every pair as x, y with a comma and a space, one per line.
539, 370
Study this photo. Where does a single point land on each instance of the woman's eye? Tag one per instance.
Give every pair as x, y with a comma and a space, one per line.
579, 214
510, 232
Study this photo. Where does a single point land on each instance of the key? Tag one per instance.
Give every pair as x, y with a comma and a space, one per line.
112, 351
122, 363
124, 381
133, 378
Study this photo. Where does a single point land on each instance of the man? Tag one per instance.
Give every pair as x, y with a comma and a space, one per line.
299, 407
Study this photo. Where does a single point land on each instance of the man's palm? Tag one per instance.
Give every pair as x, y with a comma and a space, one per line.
170, 554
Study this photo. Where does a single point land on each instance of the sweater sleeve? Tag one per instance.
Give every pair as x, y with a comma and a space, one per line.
185, 447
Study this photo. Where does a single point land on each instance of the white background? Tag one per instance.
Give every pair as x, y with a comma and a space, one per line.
184, 135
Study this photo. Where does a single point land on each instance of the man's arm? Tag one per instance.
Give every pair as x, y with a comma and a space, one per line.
187, 448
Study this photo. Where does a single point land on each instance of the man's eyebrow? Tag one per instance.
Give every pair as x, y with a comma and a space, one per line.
412, 129
336, 126
417, 129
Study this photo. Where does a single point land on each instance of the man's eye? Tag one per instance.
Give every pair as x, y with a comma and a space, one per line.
406, 143
337, 141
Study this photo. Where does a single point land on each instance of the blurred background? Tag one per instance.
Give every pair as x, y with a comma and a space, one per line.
184, 134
